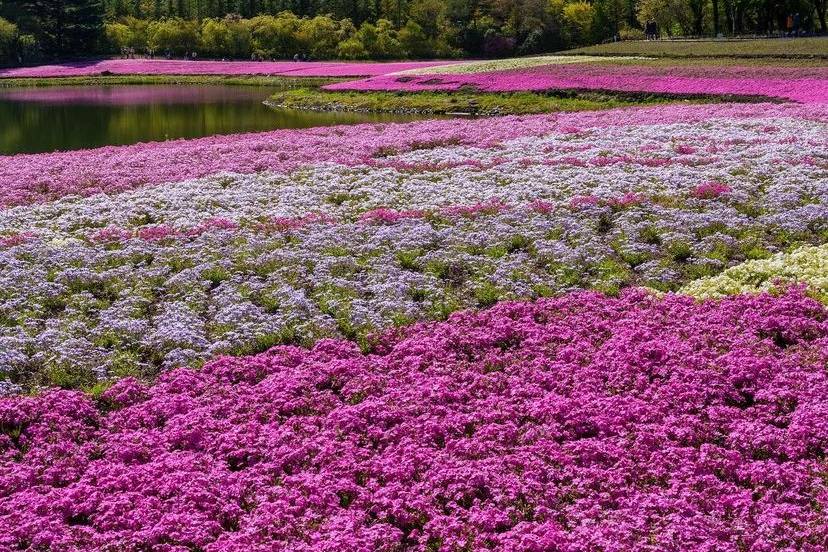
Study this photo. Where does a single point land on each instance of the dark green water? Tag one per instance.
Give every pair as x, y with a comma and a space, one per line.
34, 120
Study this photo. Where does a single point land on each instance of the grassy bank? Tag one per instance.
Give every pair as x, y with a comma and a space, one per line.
472, 102
815, 47
111, 80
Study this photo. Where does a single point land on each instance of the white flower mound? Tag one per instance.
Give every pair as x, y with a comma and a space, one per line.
488, 66
806, 265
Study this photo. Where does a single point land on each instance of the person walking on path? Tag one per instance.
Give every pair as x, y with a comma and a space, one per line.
650, 29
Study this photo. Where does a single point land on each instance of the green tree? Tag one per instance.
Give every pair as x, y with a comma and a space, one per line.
351, 48
227, 37
8, 41
319, 36
138, 29
578, 17
386, 45
118, 36
394, 10
610, 17
821, 6
428, 14
63, 27
413, 40
671, 16
177, 36
275, 37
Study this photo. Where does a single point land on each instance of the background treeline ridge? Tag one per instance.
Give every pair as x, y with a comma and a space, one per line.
36, 30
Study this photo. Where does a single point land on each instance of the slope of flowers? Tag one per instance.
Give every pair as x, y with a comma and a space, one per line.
804, 85
508, 64
805, 265
26, 179
177, 67
579, 423
174, 274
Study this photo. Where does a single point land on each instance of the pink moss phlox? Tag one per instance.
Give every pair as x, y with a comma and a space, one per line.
710, 190
564, 424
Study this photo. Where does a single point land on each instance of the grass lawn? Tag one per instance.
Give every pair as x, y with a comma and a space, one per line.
485, 103
773, 47
479, 103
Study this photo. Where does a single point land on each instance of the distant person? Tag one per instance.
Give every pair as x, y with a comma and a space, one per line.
194, 56
796, 24
651, 30
789, 24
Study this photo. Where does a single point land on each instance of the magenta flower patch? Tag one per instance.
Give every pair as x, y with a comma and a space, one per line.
578, 423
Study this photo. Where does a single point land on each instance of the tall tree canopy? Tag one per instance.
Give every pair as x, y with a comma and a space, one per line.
356, 29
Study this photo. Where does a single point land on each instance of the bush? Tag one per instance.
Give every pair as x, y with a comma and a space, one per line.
631, 33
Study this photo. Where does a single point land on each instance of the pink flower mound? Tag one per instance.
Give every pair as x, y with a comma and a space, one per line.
579, 423
806, 85
27, 179
178, 67
710, 190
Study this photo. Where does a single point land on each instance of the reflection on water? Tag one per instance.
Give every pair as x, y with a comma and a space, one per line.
74, 117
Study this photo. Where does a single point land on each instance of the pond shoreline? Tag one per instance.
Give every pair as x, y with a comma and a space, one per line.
45, 119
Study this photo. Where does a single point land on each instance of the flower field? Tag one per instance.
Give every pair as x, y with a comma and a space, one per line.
628, 424
178, 67
131, 283
562, 332
800, 84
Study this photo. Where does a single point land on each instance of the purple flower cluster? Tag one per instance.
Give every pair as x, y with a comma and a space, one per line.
577, 423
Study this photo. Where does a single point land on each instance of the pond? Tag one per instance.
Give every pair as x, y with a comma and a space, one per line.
34, 120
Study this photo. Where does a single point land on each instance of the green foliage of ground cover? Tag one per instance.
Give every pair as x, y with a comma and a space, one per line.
457, 102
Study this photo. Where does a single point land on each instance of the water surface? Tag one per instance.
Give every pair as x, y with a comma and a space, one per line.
34, 120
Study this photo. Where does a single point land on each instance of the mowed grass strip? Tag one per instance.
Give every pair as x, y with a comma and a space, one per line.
816, 47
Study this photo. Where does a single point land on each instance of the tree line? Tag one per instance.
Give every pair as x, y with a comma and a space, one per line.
36, 30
